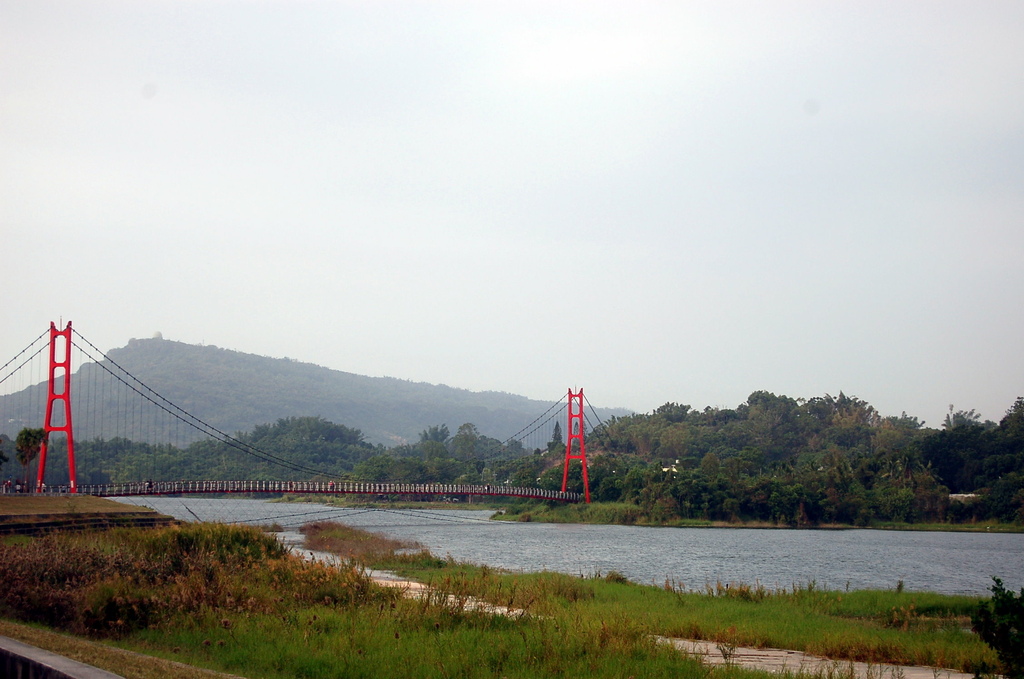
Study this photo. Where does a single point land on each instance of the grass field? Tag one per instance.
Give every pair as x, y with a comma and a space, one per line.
107, 657
231, 599
899, 627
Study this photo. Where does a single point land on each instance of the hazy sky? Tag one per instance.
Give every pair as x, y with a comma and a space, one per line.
679, 201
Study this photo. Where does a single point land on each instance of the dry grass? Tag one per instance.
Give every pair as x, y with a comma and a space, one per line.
126, 663
22, 505
351, 543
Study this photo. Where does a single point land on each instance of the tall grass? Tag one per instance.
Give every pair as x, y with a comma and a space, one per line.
113, 583
403, 641
350, 543
870, 626
896, 626
622, 513
230, 598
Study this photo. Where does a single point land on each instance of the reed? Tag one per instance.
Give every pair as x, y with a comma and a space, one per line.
894, 626
352, 544
229, 598
116, 582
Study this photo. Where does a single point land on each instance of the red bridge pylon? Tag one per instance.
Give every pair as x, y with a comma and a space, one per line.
575, 430
59, 340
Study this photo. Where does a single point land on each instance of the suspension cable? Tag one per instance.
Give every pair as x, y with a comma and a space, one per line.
23, 363
189, 418
542, 424
23, 351
593, 410
517, 434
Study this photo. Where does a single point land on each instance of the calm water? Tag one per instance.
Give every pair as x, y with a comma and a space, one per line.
954, 563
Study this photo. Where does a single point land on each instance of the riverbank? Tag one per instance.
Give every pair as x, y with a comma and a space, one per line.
38, 514
336, 543
228, 598
232, 599
626, 514
32, 504
831, 633
360, 502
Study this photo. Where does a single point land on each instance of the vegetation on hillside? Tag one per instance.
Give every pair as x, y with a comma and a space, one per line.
827, 460
772, 459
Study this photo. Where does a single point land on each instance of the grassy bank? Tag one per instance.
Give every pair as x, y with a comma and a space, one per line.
914, 628
628, 514
230, 598
124, 662
41, 505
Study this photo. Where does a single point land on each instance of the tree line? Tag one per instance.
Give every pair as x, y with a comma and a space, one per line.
818, 461
825, 460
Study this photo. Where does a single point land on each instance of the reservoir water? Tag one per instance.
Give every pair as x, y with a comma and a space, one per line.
952, 563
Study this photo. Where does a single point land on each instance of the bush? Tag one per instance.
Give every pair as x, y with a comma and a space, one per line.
1000, 623
116, 582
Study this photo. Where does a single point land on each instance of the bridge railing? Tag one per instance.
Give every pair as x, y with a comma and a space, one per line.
325, 487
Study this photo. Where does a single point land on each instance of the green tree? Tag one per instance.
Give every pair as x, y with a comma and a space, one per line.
437, 433
709, 465
6, 446
672, 412
28, 444
960, 418
1000, 624
557, 443
377, 468
1013, 422
465, 442
432, 450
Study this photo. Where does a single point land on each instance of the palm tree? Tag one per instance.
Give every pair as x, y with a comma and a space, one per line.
28, 443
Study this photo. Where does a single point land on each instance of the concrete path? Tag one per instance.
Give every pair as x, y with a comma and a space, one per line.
796, 662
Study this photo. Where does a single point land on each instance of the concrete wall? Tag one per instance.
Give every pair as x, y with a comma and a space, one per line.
21, 661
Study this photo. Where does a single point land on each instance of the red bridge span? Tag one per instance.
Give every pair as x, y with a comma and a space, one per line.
57, 421
448, 490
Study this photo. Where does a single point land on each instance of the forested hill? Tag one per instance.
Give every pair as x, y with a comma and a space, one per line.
235, 392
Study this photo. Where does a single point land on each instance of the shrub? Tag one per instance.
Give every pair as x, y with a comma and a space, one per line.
1000, 623
116, 582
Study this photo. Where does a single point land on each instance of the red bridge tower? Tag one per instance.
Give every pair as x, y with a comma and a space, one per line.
60, 371
575, 430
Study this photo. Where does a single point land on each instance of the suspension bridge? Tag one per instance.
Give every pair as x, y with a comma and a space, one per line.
123, 413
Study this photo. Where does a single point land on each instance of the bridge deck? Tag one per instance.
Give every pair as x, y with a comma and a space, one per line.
321, 487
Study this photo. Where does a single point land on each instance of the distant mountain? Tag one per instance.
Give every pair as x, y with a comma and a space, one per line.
234, 392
